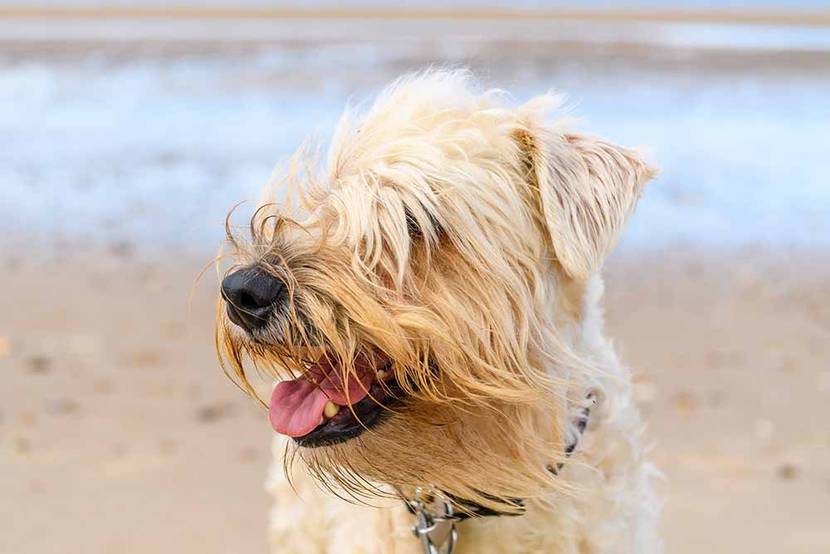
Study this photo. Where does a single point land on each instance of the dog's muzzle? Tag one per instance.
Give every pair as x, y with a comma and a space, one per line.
251, 295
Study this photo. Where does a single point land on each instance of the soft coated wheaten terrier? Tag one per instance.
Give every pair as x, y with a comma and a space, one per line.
430, 305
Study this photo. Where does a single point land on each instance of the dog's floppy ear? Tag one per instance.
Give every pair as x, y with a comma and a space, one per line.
586, 188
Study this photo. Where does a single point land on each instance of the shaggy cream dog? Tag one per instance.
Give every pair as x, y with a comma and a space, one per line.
430, 307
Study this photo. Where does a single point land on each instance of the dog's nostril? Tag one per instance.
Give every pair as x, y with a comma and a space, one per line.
250, 294
248, 302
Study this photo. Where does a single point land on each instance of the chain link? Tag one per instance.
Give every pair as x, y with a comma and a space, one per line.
436, 531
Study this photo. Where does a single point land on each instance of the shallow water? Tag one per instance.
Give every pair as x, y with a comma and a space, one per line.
156, 149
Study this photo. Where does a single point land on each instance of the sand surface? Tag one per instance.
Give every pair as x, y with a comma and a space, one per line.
119, 433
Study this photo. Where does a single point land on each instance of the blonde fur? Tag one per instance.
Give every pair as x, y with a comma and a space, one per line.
460, 237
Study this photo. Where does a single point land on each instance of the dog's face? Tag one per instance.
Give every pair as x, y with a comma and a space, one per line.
411, 302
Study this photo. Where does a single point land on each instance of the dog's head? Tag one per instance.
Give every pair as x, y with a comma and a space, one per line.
411, 298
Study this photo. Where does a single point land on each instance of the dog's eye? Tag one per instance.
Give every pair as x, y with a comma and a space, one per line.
414, 227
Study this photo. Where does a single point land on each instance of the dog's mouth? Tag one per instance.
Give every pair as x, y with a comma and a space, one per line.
320, 408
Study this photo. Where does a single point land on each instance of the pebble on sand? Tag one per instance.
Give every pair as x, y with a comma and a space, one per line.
684, 403
787, 471
210, 413
39, 363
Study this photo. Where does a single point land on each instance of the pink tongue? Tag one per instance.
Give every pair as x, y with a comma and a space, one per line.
297, 405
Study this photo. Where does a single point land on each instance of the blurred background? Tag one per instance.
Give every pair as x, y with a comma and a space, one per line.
128, 129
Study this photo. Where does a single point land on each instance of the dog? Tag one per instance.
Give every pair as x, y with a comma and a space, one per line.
430, 307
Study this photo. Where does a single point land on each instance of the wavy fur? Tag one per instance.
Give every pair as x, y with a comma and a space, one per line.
458, 235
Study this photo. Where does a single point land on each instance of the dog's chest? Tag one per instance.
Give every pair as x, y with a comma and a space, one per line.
307, 519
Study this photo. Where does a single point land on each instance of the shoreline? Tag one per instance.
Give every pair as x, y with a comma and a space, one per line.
681, 29
807, 17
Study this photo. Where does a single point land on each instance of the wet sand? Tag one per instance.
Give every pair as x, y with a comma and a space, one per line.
119, 433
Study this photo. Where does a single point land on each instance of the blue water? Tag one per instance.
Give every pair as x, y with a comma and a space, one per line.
155, 150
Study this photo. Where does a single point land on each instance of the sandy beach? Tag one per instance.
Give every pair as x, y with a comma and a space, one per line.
120, 434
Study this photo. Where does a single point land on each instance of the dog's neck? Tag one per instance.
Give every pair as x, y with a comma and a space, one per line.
579, 320
436, 518
578, 317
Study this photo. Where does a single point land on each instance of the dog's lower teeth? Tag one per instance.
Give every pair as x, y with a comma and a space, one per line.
382, 374
331, 409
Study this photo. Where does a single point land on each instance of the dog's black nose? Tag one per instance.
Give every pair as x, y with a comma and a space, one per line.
251, 293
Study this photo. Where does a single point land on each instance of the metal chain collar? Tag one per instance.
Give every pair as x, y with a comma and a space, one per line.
435, 529
434, 516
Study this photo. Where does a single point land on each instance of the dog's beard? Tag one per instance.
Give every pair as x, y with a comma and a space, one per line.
485, 455
469, 421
